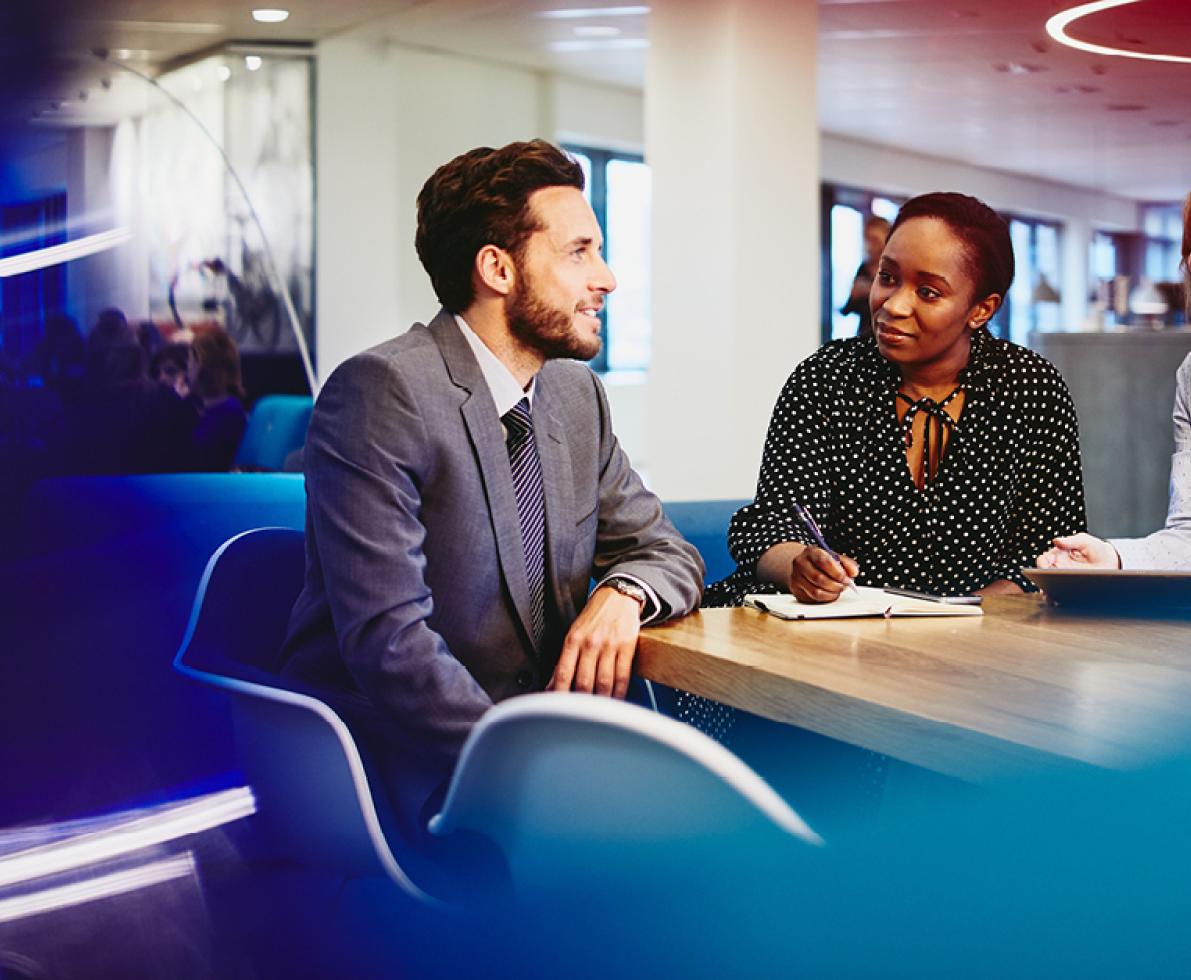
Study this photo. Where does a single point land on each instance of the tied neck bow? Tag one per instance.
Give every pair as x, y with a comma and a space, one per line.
937, 424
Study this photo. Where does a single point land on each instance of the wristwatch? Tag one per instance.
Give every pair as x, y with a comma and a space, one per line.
627, 587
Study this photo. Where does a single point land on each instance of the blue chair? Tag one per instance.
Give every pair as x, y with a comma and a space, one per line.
704, 523
315, 798
276, 427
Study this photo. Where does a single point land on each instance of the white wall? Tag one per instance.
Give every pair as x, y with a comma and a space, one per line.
356, 198
599, 115
114, 277
388, 116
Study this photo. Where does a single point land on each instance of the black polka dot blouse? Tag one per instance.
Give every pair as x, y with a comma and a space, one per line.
1009, 481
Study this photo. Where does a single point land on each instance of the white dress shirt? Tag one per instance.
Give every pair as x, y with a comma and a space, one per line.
1170, 548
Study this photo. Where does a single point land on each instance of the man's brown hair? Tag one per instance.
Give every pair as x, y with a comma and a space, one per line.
482, 198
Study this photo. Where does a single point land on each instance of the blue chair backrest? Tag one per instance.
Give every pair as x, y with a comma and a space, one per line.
276, 427
704, 523
241, 610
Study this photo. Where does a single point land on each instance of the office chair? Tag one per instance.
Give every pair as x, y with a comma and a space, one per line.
303, 764
704, 523
574, 787
276, 427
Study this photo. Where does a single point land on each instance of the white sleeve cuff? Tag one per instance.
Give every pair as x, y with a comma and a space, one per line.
653, 608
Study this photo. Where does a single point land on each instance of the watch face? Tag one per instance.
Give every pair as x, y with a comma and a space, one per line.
631, 589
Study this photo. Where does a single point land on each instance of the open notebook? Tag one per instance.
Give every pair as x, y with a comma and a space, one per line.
863, 602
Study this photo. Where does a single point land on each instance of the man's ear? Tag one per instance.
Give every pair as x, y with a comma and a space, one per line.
494, 270
982, 312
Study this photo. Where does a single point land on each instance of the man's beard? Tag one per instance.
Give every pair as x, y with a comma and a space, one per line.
548, 331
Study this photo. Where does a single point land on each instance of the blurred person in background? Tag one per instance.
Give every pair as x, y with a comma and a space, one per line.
149, 337
217, 395
170, 366
876, 231
120, 420
60, 356
1169, 547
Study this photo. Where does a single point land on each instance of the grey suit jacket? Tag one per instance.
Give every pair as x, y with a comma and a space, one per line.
416, 594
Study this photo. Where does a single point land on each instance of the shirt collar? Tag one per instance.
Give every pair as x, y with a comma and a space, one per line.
506, 392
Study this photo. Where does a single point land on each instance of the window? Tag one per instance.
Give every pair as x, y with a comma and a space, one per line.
619, 189
1106, 247
1034, 297
1162, 225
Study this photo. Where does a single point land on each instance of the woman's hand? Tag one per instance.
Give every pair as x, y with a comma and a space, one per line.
817, 577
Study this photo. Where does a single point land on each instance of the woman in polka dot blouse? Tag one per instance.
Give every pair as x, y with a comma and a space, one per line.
933, 456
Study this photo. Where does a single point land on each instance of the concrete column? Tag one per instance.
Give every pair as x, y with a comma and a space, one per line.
731, 133
1075, 244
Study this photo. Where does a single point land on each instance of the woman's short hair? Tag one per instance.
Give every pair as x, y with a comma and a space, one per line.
482, 198
218, 360
988, 249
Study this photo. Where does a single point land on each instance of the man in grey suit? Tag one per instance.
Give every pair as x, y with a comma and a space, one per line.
464, 484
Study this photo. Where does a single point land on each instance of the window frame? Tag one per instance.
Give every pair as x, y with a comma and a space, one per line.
597, 188
1003, 320
861, 199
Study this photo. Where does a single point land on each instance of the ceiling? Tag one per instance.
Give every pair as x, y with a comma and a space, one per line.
975, 81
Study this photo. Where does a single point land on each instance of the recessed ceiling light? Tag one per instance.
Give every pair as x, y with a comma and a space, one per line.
601, 44
596, 30
1057, 26
1016, 68
224, 73
587, 13
270, 15
252, 62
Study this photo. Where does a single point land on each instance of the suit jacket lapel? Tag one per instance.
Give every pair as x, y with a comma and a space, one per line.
486, 433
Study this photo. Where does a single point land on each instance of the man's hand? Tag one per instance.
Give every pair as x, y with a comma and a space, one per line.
1079, 551
597, 655
817, 577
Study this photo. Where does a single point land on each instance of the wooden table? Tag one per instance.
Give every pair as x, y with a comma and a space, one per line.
1024, 685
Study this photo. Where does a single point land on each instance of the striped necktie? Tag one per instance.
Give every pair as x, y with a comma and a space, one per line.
531, 508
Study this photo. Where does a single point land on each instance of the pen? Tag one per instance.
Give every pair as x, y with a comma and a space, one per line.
808, 522
955, 600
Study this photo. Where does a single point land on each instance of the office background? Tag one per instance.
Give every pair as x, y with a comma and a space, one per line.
759, 124
766, 129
